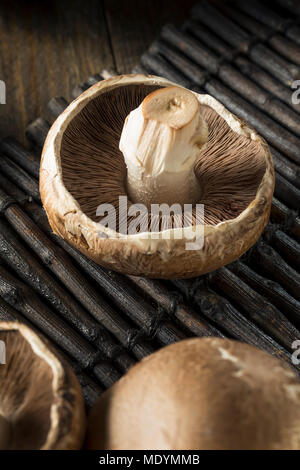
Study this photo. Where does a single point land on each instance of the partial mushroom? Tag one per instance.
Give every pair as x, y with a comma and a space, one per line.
41, 405
199, 394
141, 142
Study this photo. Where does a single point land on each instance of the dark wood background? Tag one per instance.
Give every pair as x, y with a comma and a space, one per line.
47, 47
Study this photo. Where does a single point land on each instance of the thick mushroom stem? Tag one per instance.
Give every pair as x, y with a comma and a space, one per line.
5, 432
160, 141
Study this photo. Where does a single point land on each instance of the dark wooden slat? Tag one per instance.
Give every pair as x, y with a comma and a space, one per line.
279, 43
173, 304
192, 71
221, 312
25, 181
56, 106
286, 168
248, 68
161, 68
275, 267
287, 192
37, 131
233, 34
289, 219
255, 307
293, 32
267, 81
226, 28
264, 14
16, 152
285, 245
201, 32
270, 289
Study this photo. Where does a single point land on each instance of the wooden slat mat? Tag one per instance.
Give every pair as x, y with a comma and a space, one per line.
103, 322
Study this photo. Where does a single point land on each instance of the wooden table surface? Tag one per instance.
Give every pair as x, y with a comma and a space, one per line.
47, 47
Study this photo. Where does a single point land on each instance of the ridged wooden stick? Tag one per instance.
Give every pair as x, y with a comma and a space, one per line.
222, 313
23, 157
255, 307
34, 274
293, 32
286, 192
266, 33
245, 66
124, 295
285, 71
265, 15
193, 72
286, 168
37, 131
228, 30
285, 245
172, 303
162, 68
271, 290
288, 218
23, 179
200, 31
56, 106
273, 265
265, 80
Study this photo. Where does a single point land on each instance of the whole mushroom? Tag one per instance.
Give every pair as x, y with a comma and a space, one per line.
139, 143
199, 394
41, 404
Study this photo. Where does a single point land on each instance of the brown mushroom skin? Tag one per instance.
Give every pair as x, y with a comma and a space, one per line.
159, 258
199, 394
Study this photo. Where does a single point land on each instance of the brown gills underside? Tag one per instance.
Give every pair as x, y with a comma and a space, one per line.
26, 394
229, 168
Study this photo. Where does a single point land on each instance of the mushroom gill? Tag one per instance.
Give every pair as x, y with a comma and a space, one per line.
41, 404
26, 395
229, 168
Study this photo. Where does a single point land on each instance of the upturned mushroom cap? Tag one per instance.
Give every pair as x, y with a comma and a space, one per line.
41, 405
200, 394
82, 168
